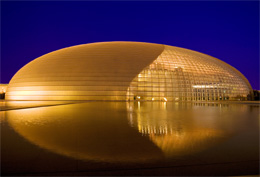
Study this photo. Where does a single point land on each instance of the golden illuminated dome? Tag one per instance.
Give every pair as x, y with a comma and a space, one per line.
128, 71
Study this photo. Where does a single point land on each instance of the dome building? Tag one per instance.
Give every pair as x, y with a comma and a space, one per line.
128, 71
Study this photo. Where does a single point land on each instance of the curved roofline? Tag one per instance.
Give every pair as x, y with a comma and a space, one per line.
233, 68
248, 83
104, 56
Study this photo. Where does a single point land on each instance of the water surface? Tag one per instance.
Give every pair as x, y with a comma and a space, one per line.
121, 135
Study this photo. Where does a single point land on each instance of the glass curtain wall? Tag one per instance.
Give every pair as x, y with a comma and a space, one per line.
184, 75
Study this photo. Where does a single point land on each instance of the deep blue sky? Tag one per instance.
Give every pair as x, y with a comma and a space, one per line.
226, 30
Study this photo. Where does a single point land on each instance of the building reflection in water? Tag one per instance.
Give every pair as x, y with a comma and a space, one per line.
89, 131
180, 129
128, 132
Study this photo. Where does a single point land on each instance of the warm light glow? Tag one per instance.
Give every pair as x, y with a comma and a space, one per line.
164, 105
73, 131
204, 86
3, 88
176, 136
165, 99
184, 75
140, 71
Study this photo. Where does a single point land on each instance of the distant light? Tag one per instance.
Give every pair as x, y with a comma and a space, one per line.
138, 97
152, 99
203, 86
3, 90
178, 67
165, 99
176, 99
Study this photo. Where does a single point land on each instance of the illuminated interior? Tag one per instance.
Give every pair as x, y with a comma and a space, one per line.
128, 71
181, 74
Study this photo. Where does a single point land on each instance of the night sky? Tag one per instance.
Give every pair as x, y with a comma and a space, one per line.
225, 30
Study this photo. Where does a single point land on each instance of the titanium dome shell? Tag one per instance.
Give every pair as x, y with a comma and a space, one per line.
128, 71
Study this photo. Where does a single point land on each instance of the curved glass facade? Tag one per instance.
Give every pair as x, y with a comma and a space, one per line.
181, 74
128, 71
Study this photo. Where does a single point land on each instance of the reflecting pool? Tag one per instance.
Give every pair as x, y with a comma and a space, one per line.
126, 135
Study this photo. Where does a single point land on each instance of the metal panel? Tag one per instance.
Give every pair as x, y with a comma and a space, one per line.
128, 71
